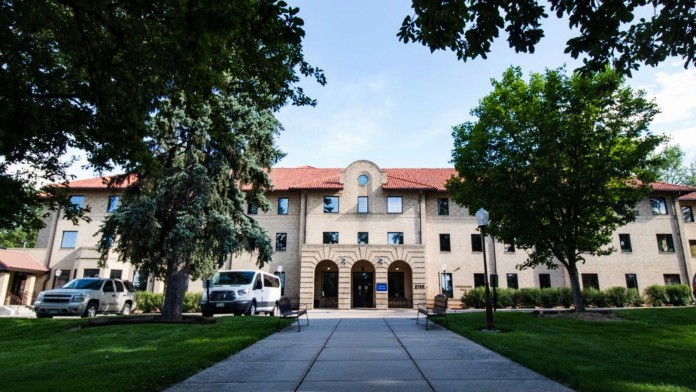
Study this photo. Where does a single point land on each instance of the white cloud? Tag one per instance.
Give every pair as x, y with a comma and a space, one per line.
675, 93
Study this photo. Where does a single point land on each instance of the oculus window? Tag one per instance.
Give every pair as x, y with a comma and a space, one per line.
443, 206
363, 179
395, 205
331, 204
283, 205
395, 238
658, 206
362, 204
330, 237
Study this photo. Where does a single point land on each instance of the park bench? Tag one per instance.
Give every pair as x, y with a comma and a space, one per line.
287, 312
439, 309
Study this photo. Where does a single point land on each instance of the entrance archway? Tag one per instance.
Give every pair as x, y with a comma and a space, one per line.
400, 283
363, 285
326, 285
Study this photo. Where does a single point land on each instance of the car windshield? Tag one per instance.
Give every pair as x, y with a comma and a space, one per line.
88, 284
235, 277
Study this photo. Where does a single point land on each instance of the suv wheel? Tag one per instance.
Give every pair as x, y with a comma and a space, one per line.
91, 311
126, 310
252, 309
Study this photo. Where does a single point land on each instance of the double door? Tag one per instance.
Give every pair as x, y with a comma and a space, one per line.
363, 289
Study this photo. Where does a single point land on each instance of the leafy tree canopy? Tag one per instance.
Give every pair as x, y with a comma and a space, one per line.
623, 33
20, 236
88, 74
673, 168
554, 161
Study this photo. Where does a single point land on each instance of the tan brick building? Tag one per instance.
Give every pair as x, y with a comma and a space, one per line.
365, 237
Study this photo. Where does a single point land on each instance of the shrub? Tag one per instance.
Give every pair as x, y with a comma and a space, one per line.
594, 298
566, 296
529, 297
678, 294
149, 302
505, 298
474, 298
192, 302
550, 297
634, 297
617, 296
656, 295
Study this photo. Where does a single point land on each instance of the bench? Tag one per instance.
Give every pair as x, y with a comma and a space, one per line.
286, 312
439, 309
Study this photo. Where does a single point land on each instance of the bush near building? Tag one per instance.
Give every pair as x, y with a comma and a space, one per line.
552, 297
149, 302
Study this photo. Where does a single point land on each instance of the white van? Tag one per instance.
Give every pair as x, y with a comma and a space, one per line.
241, 291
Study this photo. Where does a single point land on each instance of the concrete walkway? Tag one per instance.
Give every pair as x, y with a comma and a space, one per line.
366, 351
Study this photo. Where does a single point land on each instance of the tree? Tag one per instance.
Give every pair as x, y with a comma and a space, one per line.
673, 169
20, 236
608, 30
184, 221
559, 162
88, 74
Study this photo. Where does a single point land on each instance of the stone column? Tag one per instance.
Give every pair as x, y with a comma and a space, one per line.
381, 297
4, 284
29, 289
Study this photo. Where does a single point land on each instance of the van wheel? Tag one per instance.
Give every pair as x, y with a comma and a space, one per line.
126, 310
91, 311
252, 309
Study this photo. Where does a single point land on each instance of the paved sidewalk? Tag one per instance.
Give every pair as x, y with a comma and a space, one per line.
366, 351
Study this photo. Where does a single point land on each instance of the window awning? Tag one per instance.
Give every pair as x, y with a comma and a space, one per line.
20, 262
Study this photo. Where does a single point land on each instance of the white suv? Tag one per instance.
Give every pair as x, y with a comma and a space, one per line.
86, 297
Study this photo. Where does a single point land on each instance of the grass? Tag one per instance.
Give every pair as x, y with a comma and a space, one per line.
650, 350
56, 355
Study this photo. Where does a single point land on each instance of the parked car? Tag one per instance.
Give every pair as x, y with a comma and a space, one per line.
87, 297
241, 291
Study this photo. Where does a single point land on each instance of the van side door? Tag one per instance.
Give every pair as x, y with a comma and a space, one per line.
257, 290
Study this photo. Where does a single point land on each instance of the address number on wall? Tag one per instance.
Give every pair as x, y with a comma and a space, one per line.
419, 287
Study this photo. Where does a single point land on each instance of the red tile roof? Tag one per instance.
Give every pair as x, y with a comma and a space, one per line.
663, 186
19, 261
689, 196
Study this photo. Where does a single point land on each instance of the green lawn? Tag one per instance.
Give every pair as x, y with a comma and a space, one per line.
56, 355
652, 350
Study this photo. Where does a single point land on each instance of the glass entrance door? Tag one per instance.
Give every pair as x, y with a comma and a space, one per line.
363, 289
329, 290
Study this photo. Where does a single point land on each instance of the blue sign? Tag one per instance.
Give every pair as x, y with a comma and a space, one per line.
381, 287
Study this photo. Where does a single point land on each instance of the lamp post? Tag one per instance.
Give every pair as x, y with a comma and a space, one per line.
482, 220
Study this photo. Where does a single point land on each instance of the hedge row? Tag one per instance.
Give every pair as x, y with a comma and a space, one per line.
677, 295
152, 302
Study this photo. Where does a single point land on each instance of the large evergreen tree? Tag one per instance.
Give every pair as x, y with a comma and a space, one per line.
556, 161
185, 219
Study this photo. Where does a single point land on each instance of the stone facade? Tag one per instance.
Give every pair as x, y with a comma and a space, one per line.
380, 273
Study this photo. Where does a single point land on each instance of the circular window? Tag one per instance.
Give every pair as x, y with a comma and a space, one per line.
363, 179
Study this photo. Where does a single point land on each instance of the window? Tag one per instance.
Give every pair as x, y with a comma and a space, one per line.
140, 280
115, 274
665, 243
658, 205
281, 276
330, 237
363, 179
108, 287
443, 206
688, 214
113, 203
362, 204
395, 238
512, 281
90, 273
69, 240
631, 281
544, 280
479, 280
394, 205
590, 280
692, 246
476, 243
625, 242
671, 279
446, 284
363, 238
119, 286
281, 242
252, 209
331, 204
283, 204
509, 248
78, 201
445, 243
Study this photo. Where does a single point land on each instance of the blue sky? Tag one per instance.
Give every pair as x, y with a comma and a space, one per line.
395, 104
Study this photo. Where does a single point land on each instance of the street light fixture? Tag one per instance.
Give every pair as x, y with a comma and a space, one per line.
482, 220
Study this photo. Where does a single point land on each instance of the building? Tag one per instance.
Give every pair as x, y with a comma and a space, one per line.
366, 237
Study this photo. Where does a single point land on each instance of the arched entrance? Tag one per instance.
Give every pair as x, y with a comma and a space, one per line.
400, 281
363, 285
326, 285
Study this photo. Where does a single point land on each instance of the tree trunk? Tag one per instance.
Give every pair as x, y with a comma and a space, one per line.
575, 286
177, 284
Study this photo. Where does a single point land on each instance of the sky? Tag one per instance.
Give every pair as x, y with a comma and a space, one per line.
395, 104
